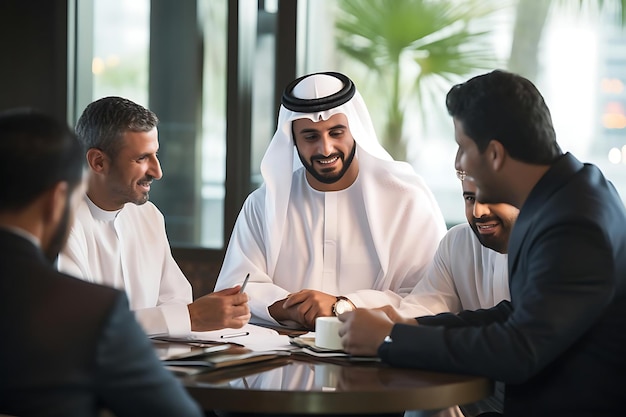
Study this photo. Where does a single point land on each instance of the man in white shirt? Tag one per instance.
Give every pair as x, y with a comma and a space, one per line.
337, 223
469, 269
468, 272
118, 237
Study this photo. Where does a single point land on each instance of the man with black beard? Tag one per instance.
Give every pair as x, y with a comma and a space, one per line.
558, 345
468, 272
69, 347
339, 227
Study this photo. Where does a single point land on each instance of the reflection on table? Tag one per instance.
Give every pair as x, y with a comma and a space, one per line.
304, 385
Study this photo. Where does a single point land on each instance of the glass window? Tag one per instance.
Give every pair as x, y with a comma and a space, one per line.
120, 57
263, 111
574, 55
120, 49
213, 20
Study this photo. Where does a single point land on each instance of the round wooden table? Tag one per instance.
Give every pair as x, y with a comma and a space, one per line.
307, 386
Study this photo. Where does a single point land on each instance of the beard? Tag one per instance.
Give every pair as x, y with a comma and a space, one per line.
499, 242
129, 194
59, 237
328, 178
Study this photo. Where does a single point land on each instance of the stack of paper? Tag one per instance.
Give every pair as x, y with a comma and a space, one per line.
204, 351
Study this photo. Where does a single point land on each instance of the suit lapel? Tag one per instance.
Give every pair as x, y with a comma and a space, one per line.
553, 180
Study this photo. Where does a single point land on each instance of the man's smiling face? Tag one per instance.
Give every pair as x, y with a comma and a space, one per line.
133, 169
492, 223
326, 149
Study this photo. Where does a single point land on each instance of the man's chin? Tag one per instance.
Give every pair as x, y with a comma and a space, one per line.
329, 180
142, 200
492, 243
324, 177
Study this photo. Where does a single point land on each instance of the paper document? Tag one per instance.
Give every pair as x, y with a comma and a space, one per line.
255, 338
233, 356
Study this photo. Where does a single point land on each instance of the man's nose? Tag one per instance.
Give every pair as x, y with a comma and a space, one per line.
481, 210
326, 146
155, 168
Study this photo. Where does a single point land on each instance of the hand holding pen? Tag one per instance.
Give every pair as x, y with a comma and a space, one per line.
220, 309
245, 282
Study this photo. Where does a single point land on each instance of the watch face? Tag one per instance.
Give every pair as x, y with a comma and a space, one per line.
342, 306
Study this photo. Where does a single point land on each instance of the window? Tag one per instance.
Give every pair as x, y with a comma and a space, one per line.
212, 18
580, 70
171, 58
213, 70
121, 40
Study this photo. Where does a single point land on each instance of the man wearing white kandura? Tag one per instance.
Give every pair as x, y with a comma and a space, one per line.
337, 223
469, 271
118, 237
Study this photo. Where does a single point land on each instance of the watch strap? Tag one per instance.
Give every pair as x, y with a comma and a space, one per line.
340, 297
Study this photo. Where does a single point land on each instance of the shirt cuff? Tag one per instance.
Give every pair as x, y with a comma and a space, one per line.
165, 320
177, 320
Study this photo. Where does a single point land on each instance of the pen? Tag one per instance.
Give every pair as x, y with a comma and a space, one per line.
245, 281
227, 336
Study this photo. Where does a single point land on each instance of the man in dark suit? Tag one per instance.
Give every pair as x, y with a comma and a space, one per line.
560, 343
69, 348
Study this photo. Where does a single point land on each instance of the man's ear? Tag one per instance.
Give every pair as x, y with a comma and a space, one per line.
54, 202
496, 154
97, 160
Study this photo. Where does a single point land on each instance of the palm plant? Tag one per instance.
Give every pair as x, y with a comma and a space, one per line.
413, 43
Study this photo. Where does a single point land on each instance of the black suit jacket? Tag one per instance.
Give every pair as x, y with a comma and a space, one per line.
560, 343
71, 348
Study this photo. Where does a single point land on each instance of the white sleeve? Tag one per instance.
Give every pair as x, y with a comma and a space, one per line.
374, 298
158, 291
246, 254
436, 292
171, 315
165, 320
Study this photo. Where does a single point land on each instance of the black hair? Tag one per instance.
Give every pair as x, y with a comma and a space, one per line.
508, 108
104, 121
36, 153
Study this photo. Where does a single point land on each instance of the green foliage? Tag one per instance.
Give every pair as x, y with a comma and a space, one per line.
410, 46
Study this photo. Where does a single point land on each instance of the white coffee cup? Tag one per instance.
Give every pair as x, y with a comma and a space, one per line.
327, 333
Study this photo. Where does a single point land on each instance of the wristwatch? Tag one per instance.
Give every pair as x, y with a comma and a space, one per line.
342, 305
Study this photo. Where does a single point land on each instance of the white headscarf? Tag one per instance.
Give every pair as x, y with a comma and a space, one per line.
280, 161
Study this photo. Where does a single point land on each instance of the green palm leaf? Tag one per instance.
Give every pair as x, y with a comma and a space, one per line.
439, 38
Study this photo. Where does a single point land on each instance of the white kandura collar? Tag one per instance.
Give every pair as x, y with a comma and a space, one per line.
100, 214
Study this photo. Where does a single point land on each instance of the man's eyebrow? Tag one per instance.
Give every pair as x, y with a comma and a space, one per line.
313, 130
470, 193
145, 154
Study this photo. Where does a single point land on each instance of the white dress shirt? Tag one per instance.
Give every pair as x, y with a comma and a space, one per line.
464, 275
